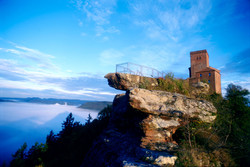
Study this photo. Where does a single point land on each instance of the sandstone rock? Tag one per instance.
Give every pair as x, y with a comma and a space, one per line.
166, 103
166, 112
141, 127
200, 89
123, 81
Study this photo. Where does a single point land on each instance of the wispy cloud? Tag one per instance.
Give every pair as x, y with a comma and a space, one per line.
111, 57
99, 12
243, 81
236, 70
90, 92
239, 63
100, 30
42, 59
169, 19
41, 76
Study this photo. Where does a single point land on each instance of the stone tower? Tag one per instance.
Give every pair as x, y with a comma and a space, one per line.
200, 71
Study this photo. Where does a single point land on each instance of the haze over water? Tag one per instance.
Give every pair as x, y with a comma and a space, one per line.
29, 122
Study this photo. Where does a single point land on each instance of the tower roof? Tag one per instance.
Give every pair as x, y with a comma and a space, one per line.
198, 52
209, 69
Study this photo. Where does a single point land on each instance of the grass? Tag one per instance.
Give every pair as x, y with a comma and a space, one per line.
169, 83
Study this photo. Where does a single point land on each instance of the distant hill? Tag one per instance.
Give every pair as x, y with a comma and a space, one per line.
74, 102
4, 100
91, 105
98, 105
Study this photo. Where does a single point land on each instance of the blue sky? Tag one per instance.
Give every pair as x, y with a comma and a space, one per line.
63, 48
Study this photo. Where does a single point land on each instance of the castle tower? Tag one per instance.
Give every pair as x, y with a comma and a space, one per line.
200, 71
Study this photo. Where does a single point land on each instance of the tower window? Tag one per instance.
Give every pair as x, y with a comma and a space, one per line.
209, 74
200, 75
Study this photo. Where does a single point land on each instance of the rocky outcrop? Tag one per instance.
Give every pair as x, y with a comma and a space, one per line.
141, 128
166, 112
199, 89
123, 81
142, 125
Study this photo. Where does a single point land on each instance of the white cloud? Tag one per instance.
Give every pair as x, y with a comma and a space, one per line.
105, 38
234, 78
39, 80
36, 76
41, 59
37, 86
83, 34
33, 52
80, 23
111, 57
99, 12
169, 19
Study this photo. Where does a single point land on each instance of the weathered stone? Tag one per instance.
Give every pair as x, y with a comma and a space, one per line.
141, 127
156, 157
123, 81
199, 89
165, 103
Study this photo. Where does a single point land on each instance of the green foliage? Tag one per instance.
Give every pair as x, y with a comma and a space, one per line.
67, 148
199, 156
145, 84
233, 122
36, 154
200, 145
33, 157
89, 119
223, 143
105, 113
93, 105
19, 156
171, 84
169, 75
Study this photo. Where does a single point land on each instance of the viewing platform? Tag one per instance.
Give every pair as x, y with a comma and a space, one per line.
135, 69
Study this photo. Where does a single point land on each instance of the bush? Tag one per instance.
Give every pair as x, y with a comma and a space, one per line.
223, 143
171, 84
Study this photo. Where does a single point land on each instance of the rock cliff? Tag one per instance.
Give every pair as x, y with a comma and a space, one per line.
123, 81
141, 127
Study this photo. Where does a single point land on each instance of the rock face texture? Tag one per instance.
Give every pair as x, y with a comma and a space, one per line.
166, 113
123, 81
141, 128
200, 88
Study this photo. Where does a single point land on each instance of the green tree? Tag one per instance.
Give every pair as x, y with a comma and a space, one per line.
51, 138
36, 154
69, 122
19, 156
239, 123
89, 119
68, 125
105, 113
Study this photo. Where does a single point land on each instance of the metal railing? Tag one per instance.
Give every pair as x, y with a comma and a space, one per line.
135, 69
